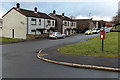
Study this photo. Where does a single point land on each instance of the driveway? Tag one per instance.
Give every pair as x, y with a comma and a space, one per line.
19, 61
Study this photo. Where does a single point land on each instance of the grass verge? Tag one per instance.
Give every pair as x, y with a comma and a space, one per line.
93, 47
2, 39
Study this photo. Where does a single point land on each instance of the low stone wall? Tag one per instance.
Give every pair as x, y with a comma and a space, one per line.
30, 36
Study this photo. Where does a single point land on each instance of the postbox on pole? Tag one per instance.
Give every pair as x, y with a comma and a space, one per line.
102, 37
102, 34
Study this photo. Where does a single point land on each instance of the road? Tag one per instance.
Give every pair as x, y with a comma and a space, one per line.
19, 61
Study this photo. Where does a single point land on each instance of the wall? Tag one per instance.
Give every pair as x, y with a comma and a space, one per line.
18, 22
47, 26
44, 24
34, 27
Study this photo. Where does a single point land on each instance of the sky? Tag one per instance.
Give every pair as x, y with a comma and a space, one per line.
80, 10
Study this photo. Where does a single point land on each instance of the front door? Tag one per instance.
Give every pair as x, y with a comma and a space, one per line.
13, 33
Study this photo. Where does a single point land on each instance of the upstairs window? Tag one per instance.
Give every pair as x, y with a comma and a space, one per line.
68, 23
72, 24
65, 23
33, 21
39, 21
49, 22
53, 24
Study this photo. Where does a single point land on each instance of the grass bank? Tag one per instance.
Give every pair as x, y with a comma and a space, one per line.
93, 47
2, 39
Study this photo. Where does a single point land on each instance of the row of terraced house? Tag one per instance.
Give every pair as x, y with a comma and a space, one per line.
22, 23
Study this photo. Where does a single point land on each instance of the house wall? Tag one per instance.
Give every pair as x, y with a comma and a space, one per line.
44, 24
47, 25
18, 22
70, 32
34, 27
66, 26
58, 23
75, 24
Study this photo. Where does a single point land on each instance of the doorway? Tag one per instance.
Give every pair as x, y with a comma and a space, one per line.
13, 33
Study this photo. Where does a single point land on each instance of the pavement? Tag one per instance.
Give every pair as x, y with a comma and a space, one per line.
107, 62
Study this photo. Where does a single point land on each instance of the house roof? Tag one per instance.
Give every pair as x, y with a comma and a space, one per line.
82, 19
61, 17
29, 13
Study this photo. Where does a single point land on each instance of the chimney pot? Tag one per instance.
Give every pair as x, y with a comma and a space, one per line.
62, 14
18, 5
54, 12
35, 9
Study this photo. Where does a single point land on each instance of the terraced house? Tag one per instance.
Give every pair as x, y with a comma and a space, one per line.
64, 24
22, 23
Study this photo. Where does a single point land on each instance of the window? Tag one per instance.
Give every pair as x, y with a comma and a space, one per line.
52, 23
65, 23
49, 23
39, 21
33, 21
72, 24
68, 23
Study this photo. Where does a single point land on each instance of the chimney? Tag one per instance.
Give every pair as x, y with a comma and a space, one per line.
54, 12
35, 9
18, 5
62, 14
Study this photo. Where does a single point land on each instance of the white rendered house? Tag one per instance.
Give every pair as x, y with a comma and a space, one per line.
18, 23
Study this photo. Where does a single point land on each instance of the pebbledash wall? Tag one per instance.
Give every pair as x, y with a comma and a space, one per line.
40, 23
68, 26
17, 22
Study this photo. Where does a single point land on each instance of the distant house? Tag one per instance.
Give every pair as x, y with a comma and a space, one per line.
22, 23
84, 24
109, 24
64, 24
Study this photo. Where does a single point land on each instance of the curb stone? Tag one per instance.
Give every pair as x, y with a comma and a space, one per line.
77, 65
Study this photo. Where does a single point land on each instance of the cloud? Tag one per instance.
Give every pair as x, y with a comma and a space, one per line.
106, 18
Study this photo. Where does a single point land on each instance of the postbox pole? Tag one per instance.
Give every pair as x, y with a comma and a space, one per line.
102, 45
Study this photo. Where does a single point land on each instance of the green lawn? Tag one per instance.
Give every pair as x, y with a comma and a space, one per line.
93, 47
2, 39
116, 28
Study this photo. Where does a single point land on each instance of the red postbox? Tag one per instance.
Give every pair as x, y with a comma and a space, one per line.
102, 34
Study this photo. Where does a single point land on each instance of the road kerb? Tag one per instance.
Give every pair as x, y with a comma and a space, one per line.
78, 65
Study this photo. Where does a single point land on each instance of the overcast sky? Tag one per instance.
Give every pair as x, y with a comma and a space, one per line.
99, 10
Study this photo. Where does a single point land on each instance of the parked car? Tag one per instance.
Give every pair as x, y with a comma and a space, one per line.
94, 31
56, 35
107, 29
88, 32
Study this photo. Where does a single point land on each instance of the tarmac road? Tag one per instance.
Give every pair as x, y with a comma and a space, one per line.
19, 61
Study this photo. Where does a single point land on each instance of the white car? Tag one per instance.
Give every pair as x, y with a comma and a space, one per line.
56, 35
94, 31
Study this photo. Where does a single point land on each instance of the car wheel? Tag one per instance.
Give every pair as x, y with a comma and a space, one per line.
55, 37
63, 37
